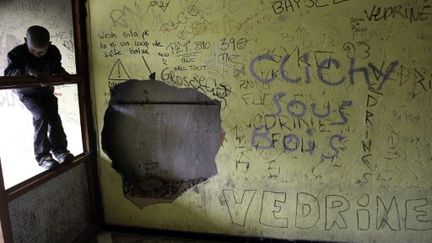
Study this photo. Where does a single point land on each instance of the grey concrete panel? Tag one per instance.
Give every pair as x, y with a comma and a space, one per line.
177, 142
162, 144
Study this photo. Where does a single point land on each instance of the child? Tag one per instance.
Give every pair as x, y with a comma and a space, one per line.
38, 58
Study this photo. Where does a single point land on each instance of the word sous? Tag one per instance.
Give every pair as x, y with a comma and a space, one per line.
330, 212
264, 139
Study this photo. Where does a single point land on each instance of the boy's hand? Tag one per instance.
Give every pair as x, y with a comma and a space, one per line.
36, 74
30, 72
63, 74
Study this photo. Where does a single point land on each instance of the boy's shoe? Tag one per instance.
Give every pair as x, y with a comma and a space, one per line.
64, 157
47, 162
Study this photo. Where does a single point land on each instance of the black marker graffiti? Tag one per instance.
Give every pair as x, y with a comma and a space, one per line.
370, 213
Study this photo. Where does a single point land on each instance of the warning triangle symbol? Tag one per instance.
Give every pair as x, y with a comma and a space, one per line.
118, 72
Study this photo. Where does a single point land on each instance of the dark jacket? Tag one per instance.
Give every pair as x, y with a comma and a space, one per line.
19, 58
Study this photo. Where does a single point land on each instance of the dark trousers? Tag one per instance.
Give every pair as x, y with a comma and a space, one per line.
48, 129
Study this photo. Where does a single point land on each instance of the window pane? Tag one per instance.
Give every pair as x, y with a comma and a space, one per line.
17, 133
55, 15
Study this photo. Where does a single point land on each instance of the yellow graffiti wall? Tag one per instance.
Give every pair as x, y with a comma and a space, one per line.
326, 106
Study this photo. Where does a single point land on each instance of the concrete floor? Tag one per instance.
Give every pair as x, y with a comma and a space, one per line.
113, 237
131, 238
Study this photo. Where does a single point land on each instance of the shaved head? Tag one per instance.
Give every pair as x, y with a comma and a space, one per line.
38, 36
37, 40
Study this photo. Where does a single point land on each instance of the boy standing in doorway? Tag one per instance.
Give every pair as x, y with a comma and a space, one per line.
37, 57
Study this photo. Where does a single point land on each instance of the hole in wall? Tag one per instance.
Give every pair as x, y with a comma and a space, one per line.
161, 139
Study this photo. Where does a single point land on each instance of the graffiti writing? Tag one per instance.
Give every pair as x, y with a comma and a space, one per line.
299, 111
233, 44
263, 139
188, 23
132, 43
161, 4
372, 100
285, 6
416, 13
329, 212
129, 17
325, 65
201, 83
9, 99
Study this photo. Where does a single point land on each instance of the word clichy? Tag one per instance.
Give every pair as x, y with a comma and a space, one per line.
268, 76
